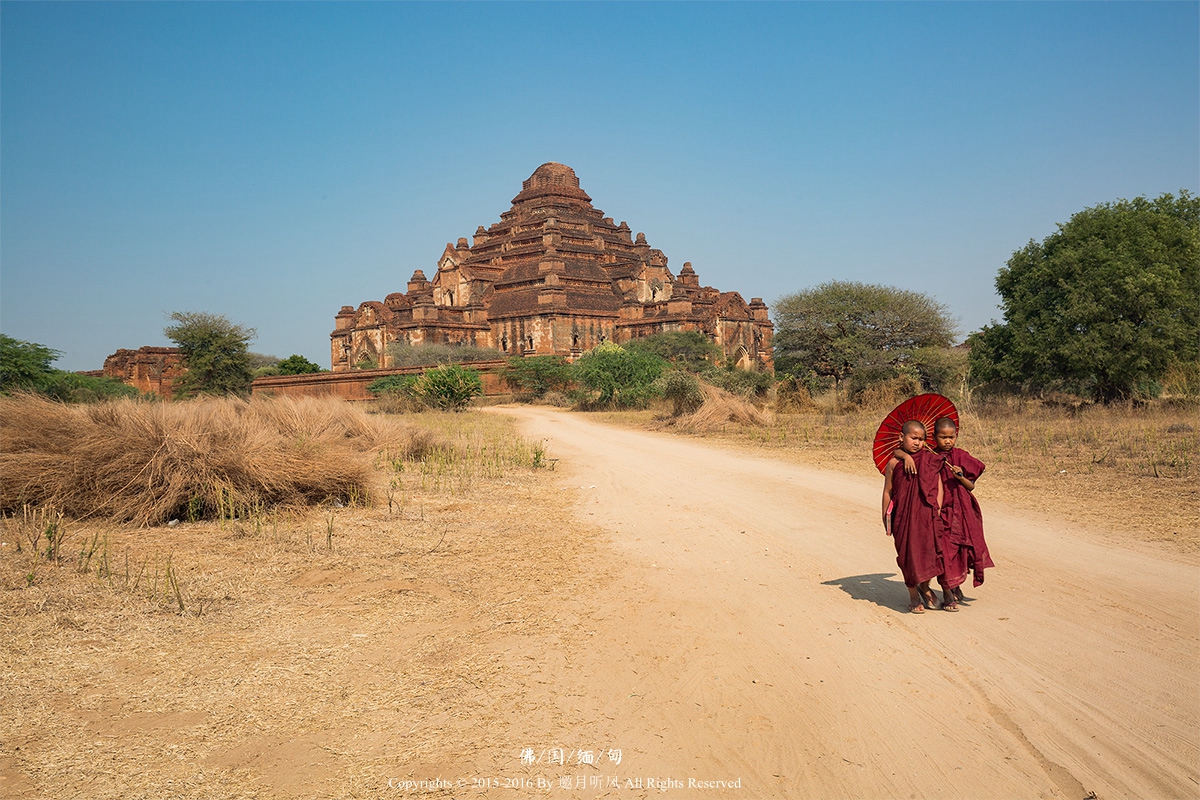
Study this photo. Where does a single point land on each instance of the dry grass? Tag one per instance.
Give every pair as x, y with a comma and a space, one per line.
314, 652
146, 463
720, 408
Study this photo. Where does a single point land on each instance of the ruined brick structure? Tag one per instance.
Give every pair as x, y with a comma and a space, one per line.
553, 277
148, 369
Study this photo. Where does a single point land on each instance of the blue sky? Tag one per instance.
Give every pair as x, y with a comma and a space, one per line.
274, 161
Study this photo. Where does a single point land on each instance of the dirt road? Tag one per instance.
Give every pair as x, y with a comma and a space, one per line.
758, 635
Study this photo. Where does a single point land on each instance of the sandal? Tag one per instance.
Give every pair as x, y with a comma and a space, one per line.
916, 608
951, 606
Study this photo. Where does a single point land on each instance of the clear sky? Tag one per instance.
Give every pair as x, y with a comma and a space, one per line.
275, 161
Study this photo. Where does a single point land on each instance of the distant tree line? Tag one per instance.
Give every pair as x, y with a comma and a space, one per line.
1106, 308
214, 351
27, 367
630, 375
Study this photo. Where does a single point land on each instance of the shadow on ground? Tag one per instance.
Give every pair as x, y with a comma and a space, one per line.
878, 588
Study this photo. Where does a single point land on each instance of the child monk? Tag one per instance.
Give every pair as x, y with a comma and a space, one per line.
909, 513
959, 520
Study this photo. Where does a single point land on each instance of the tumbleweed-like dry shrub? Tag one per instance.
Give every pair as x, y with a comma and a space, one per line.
148, 462
720, 408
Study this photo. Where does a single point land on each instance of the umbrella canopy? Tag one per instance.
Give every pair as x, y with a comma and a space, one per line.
925, 409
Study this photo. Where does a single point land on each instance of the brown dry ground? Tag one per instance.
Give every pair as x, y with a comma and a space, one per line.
612, 607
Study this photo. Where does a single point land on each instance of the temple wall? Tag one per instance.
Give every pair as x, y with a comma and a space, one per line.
352, 384
147, 369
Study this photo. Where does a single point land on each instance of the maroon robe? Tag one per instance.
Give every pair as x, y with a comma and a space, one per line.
914, 511
965, 545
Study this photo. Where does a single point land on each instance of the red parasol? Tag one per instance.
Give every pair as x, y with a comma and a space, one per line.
924, 408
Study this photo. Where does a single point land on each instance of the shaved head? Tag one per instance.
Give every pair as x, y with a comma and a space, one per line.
945, 423
912, 425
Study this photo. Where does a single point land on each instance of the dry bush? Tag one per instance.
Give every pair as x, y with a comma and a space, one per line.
885, 394
146, 463
557, 399
720, 408
793, 396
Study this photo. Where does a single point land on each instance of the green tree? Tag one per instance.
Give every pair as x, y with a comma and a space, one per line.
450, 386
215, 354
690, 350
1103, 306
537, 375
297, 365
618, 376
71, 387
25, 365
395, 384
840, 326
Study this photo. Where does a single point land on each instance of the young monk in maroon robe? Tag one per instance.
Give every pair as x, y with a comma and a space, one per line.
959, 519
965, 518
909, 514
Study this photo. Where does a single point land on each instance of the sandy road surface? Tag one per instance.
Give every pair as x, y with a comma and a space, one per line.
759, 633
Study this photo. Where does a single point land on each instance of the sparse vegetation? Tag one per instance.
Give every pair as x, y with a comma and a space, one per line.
450, 387
402, 354
204, 606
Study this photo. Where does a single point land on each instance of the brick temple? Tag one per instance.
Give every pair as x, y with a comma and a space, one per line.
553, 277
147, 369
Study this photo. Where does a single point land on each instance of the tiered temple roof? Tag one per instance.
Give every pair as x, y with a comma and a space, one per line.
553, 276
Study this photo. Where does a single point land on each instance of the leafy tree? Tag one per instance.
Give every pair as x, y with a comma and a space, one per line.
537, 375
297, 365
1101, 307
618, 376
395, 384
24, 365
71, 387
690, 350
840, 326
215, 354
